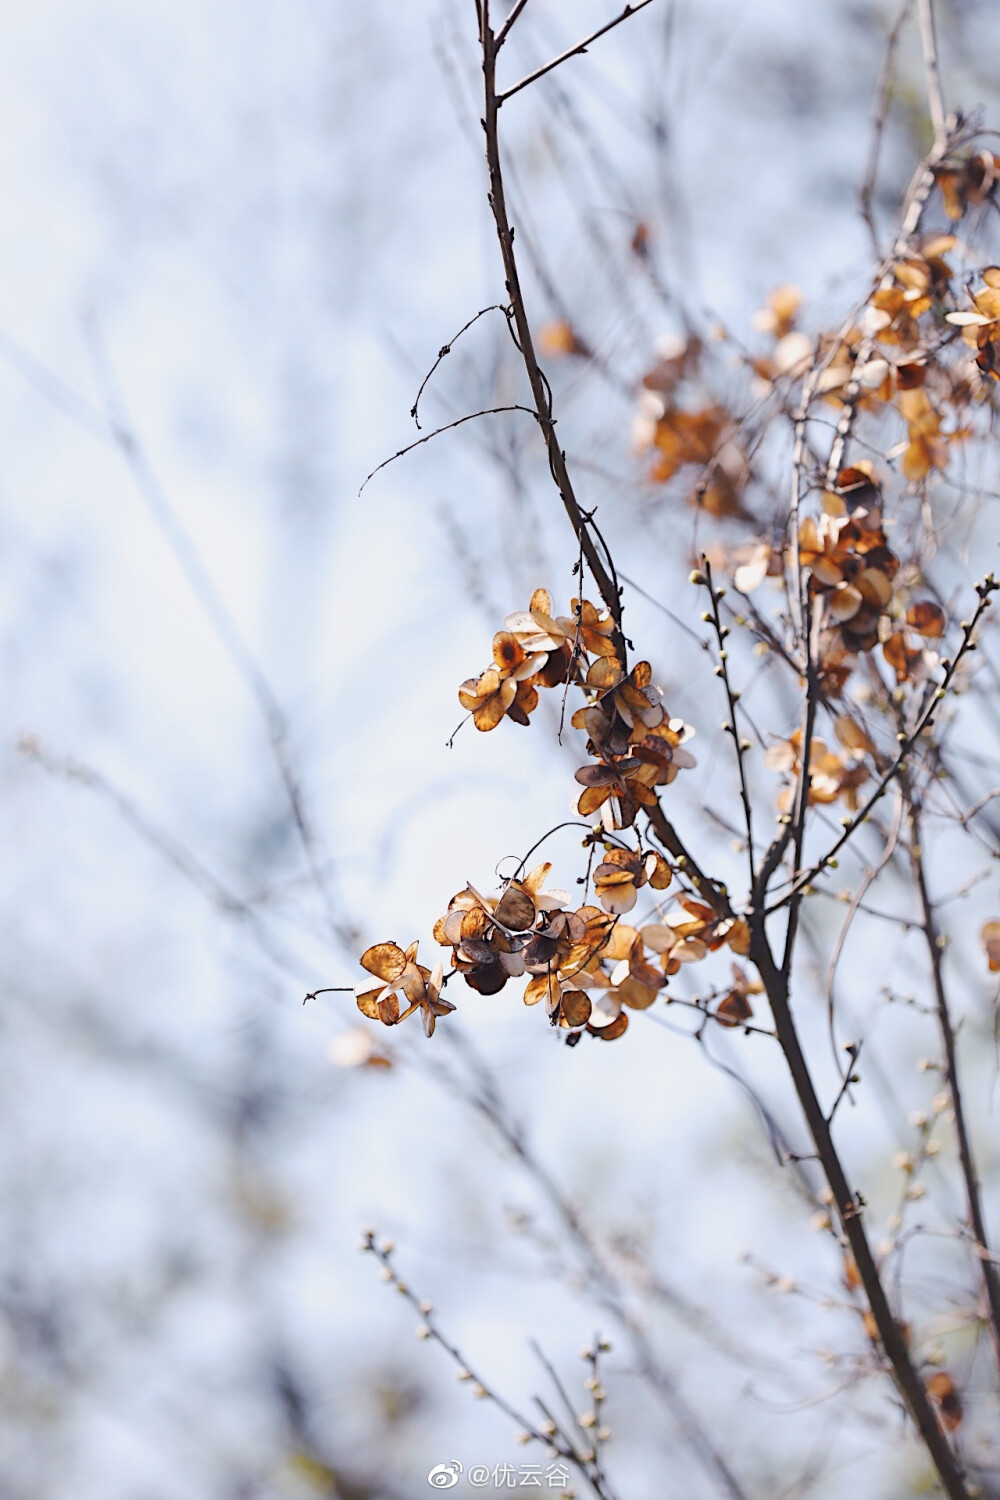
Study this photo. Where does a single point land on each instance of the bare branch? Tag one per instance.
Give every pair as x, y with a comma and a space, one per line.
883, 95
540, 388
446, 349
850, 1208
928, 42
967, 1162
630, 10
732, 726
472, 416
504, 31
925, 720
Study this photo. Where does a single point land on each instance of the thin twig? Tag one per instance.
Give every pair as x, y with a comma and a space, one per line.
928, 42
605, 1290
540, 388
967, 1162
431, 1330
884, 95
731, 727
472, 416
446, 349
924, 721
504, 31
630, 10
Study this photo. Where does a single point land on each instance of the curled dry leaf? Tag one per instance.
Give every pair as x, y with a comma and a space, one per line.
356, 1048
751, 574
778, 316
616, 1027
942, 1391
968, 183
558, 338
926, 618
990, 939
908, 662
830, 775
734, 1009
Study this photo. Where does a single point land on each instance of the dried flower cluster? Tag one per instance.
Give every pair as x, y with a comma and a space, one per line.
583, 963
845, 588
534, 650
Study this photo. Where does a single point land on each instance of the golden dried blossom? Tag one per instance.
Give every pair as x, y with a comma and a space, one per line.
686, 437
830, 775
490, 937
678, 359
927, 448
735, 1008
559, 338
693, 930
981, 328
504, 688
967, 183
778, 316
926, 618
911, 663
623, 706
848, 560
618, 880
398, 970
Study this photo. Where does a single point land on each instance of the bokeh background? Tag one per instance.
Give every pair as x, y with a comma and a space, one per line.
234, 237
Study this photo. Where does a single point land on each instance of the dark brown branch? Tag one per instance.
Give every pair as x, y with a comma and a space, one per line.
712, 890
800, 815
540, 388
849, 1208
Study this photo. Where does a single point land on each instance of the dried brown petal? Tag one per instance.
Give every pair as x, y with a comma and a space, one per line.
941, 1389
900, 656
386, 961
851, 735
486, 979
596, 774
990, 938
612, 1032
845, 601
542, 987
926, 618
734, 1009
475, 922
478, 950
604, 673
508, 653
574, 1008
737, 935
515, 909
